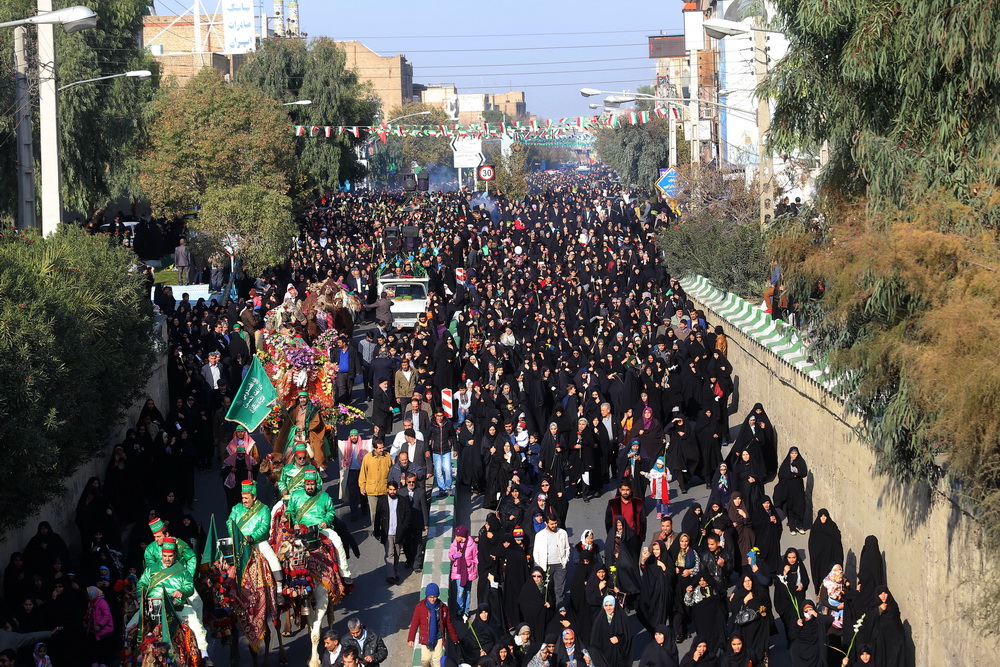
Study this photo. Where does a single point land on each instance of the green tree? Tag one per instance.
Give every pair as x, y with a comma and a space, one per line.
718, 234
425, 151
72, 319
511, 177
291, 69
898, 277
101, 124
210, 141
255, 220
636, 152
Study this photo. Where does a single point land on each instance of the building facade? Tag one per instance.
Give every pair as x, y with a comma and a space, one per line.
391, 77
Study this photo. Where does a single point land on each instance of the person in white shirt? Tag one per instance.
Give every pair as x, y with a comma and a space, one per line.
413, 446
551, 553
331, 642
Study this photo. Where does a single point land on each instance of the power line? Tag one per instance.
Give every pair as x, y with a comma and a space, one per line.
569, 71
527, 48
550, 62
561, 83
516, 34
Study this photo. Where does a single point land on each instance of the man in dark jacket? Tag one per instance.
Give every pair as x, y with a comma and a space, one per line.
441, 441
382, 409
366, 643
420, 514
348, 365
629, 508
392, 518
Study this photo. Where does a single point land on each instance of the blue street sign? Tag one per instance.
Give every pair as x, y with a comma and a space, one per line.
670, 182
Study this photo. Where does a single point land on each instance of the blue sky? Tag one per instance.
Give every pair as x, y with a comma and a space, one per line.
446, 43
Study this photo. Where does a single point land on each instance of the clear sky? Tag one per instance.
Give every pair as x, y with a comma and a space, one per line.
497, 46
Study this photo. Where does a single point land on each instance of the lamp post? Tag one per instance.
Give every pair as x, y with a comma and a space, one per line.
72, 19
720, 29
140, 74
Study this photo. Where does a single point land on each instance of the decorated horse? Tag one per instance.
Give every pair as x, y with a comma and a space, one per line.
313, 581
245, 599
333, 302
147, 644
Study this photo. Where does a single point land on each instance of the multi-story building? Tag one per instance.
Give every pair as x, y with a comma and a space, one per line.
172, 41
391, 77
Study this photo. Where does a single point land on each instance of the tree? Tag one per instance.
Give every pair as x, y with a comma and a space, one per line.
897, 274
291, 69
425, 151
254, 220
636, 152
718, 234
100, 123
212, 141
76, 348
510, 174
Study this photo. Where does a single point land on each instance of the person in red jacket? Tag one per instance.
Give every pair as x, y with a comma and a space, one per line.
431, 619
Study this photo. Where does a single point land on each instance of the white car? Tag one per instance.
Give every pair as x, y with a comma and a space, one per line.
409, 298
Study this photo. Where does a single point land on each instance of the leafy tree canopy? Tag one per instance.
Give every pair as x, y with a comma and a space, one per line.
289, 70
75, 351
100, 123
425, 151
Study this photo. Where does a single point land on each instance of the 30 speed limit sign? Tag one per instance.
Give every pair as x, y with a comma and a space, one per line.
486, 173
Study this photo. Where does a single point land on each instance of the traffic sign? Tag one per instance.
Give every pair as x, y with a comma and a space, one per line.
670, 183
486, 173
468, 153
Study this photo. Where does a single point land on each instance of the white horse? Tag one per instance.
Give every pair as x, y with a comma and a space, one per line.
311, 610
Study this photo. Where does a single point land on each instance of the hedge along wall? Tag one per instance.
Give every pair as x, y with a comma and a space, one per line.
934, 563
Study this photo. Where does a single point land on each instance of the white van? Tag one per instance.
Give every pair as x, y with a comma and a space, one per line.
409, 298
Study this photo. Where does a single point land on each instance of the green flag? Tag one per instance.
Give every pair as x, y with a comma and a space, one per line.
210, 553
253, 400
165, 631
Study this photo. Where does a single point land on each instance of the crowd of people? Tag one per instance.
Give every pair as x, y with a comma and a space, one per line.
577, 365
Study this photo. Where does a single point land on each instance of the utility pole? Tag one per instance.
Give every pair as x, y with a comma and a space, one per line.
48, 118
763, 127
199, 47
25, 147
695, 92
672, 124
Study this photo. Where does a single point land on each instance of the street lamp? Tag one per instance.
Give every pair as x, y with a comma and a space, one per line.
72, 19
141, 74
298, 103
409, 115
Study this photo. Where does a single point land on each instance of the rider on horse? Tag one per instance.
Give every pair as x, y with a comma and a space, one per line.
310, 506
151, 558
293, 475
250, 521
171, 580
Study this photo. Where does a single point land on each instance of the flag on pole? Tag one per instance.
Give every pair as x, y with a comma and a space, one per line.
210, 553
254, 398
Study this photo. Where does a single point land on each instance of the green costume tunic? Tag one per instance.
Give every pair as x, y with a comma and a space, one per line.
152, 559
307, 510
254, 523
292, 477
163, 582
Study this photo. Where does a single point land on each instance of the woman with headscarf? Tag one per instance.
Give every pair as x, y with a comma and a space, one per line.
767, 528
750, 478
790, 590
587, 558
536, 602
739, 515
693, 522
792, 491
736, 653
659, 581
480, 634
699, 655
492, 447
751, 595
513, 572
44, 547
470, 461
525, 644
809, 634
649, 432
621, 553
610, 634
706, 432
662, 651
708, 612
556, 498
826, 548
598, 585
883, 630
551, 453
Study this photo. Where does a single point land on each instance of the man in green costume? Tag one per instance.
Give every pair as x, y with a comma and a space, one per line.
172, 582
293, 475
309, 505
250, 523
184, 553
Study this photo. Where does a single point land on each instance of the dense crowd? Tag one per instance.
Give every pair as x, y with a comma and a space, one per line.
577, 365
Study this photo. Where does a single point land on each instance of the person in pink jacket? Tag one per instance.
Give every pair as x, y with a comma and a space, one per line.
464, 557
100, 628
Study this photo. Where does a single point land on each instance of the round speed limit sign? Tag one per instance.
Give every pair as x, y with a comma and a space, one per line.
486, 173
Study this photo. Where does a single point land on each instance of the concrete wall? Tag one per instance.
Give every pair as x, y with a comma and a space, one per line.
61, 511
934, 566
